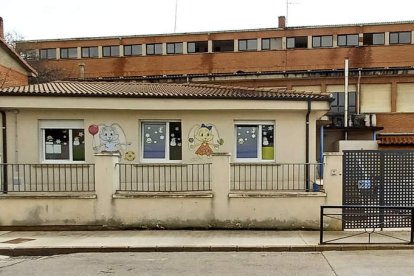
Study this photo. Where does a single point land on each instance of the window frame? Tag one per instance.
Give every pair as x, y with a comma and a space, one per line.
335, 107
112, 51
246, 46
67, 53
226, 43
259, 158
195, 47
60, 124
167, 141
89, 52
131, 46
320, 38
48, 54
399, 42
154, 45
294, 38
176, 46
366, 38
346, 40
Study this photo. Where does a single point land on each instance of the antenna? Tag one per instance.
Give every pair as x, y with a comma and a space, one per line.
287, 9
175, 17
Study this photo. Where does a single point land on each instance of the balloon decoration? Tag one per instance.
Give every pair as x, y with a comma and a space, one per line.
93, 129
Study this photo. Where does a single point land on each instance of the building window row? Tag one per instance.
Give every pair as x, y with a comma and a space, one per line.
161, 141
298, 42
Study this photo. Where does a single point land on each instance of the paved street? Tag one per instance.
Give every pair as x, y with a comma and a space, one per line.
382, 262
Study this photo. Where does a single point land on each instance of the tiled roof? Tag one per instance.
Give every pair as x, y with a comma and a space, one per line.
159, 90
396, 139
17, 57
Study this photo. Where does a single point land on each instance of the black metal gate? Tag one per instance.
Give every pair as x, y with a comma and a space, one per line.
377, 178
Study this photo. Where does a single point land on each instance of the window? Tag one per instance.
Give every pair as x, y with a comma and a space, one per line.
247, 44
223, 45
374, 39
133, 50
197, 47
297, 42
271, 43
161, 141
348, 40
400, 38
89, 52
68, 53
48, 53
175, 48
254, 142
62, 141
154, 49
110, 51
28, 54
322, 41
338, 105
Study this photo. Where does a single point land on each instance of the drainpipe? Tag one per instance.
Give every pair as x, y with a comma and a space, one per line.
346, 97
307, 147
4, 150
358, 106
321, 149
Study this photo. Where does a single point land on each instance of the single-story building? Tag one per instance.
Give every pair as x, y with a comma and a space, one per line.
164, 137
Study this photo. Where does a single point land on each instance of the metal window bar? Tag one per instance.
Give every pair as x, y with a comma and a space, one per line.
164, 177
273, 177
36, 178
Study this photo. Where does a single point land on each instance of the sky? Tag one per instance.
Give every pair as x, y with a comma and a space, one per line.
49, 19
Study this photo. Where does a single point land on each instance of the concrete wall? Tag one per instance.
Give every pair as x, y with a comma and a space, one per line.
24, 145
219, 208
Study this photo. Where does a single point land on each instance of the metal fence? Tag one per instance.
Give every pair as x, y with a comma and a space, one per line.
383, 178
164, 177
371, 220
274, 177
47, 178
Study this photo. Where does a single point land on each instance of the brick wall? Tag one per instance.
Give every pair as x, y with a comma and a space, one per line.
9, 77
396, 123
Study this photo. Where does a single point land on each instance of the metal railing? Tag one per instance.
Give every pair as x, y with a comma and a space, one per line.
274, 177
371, 219
164, 177
32, 178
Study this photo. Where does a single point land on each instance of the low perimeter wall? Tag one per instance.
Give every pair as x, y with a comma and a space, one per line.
218, 208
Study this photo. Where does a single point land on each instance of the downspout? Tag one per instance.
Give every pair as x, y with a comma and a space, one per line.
307, 147
321, 150
4, 150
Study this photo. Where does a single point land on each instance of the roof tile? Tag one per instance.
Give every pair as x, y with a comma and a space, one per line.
156, 90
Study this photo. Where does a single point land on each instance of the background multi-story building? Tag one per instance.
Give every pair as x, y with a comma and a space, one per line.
381, 76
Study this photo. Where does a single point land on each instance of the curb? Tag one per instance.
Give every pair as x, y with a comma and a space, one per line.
48, 251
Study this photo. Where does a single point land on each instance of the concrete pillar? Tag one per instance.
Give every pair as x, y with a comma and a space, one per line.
220, 185
332, 183
210, 46
106, 183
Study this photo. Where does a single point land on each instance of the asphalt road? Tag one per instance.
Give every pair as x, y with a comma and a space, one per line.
381, 262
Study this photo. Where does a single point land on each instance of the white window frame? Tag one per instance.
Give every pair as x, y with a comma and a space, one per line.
259, 124
167, 141
59, 124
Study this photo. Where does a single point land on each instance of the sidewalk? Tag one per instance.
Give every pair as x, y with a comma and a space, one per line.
18, 243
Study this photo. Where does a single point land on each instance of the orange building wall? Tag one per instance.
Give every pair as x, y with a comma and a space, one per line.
396, 122
231, 62
9, 77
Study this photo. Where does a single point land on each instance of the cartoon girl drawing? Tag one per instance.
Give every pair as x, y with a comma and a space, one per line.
202, 137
